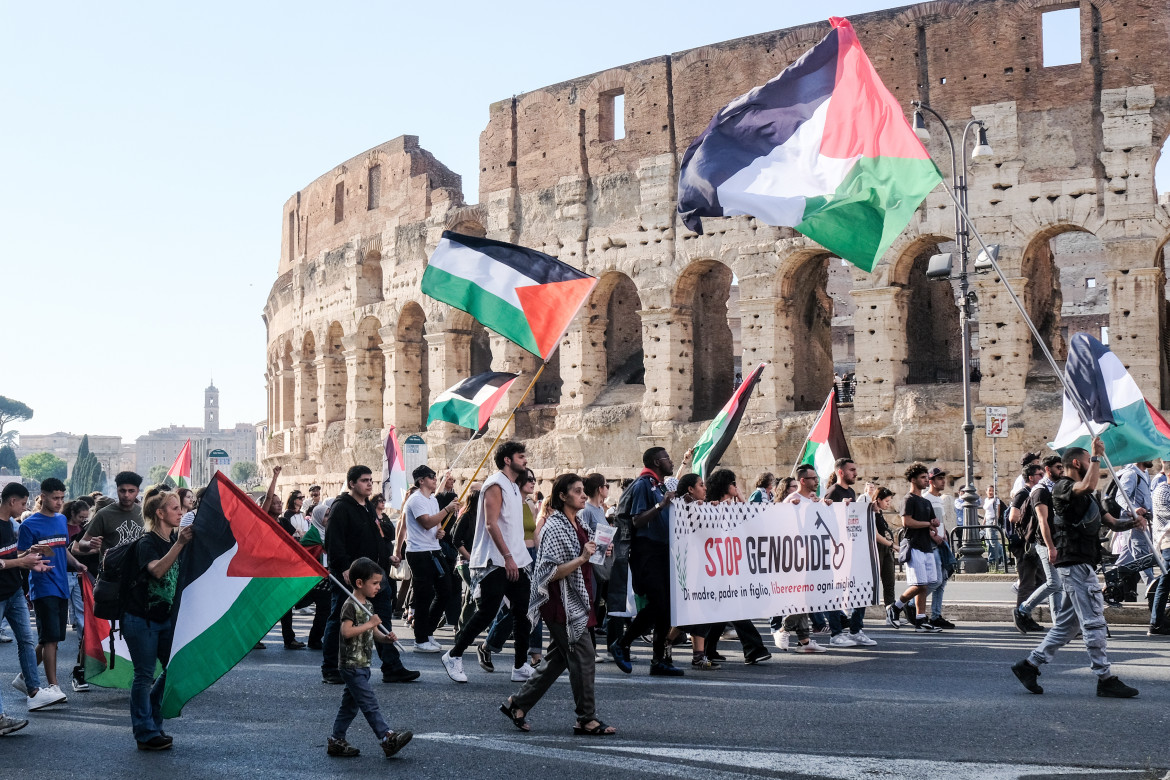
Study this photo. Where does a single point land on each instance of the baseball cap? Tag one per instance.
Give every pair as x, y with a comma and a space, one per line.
1029, 457
422, 472
935, 472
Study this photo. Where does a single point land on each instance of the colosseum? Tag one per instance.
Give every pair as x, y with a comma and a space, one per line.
586, 170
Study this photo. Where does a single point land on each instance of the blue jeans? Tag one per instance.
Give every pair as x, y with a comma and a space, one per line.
1051, 589
149, 642
1161, 596
15, 609
838, 622
76, 605
936, 595
358, 696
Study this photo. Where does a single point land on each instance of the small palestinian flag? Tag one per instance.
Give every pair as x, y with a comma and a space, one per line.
526, 296
180, 472
103, 667
237, 576
470, 403
823, 147
722, 429
826, 441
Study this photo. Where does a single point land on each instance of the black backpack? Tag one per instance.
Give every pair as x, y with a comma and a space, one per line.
119, 572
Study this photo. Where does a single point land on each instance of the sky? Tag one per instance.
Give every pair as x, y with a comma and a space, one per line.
148, 149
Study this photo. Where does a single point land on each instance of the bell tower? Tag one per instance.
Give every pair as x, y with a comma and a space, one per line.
211, 409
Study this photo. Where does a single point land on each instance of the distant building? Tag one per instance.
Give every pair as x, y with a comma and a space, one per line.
109, 450
162, 446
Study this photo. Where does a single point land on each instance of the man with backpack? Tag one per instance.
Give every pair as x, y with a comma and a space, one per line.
1022, 519
117, 523
1044, 548
1077, 519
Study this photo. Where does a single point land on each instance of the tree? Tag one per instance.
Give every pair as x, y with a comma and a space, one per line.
244, 471
12, 410
158, 475
41, 465
87, 471
8, 460
8, 438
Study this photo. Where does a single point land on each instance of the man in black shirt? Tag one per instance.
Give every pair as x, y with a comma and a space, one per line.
1077, 518
1044, 548
1022, 517
921, 571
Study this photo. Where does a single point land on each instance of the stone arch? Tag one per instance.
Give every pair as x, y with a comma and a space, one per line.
336, 379
308, 397
468, 220
933, 337
616, 303
704, 291
371, 375
804, 287
612, 82
1066, 289
411, 371
369, 281
471, 343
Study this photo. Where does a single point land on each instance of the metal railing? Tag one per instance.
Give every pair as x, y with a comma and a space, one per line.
985, 536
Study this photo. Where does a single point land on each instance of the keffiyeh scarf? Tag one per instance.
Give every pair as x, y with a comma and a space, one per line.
559, 544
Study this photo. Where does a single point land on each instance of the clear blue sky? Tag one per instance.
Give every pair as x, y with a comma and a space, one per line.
147, 149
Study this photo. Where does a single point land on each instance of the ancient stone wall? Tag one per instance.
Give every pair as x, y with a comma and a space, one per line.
353, 346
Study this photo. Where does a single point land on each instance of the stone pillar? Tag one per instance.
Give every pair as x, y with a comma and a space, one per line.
388, 353
669, 349
879, 332
354, 393
1005, 343
300, 366
285, 380
449, 362
765, 340
583, 370
1136, 325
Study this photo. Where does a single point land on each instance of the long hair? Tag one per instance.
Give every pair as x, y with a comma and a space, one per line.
151, 505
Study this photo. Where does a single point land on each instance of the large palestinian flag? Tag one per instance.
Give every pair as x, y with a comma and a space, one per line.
823, 147
180, 472
526, 296
103, 666
1131, 428
826, 441
721, 431
237, 577
470, 403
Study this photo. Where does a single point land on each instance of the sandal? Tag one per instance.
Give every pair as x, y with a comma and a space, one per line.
600, 729
519, 721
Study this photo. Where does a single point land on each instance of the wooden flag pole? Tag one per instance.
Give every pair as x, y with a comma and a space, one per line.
451, 465
503, 428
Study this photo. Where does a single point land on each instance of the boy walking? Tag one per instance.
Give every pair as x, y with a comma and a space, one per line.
359, 626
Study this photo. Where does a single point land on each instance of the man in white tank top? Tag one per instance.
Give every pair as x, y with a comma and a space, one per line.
499, 563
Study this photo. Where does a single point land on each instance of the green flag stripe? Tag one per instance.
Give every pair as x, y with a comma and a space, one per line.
493, 312
710, 436
456, 410
214, 652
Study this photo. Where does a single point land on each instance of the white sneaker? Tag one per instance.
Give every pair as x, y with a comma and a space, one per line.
523, 673
781, 638
56, 689
18, 684
5, 637
842, 640
45, 697
454, 667
861, 639
427, 647
812, 647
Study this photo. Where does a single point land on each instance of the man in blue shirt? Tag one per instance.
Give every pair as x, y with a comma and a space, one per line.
49, 590
649, 517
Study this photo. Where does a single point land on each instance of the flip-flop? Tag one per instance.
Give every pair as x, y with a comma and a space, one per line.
519, 721
600, 730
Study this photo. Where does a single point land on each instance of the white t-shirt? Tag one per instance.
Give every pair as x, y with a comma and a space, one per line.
511, 525
419, 539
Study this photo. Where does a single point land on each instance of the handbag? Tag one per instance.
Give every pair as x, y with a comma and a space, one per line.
399, 571
904, 550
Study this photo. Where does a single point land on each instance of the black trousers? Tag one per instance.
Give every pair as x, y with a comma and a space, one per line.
492, 590
650, 566
749, 637
1031, 574
432, 591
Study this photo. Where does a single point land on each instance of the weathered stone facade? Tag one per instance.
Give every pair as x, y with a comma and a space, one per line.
353, 346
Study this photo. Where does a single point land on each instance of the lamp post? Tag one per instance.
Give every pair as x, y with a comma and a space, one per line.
971, 553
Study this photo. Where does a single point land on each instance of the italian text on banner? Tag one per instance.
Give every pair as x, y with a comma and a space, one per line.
745, 561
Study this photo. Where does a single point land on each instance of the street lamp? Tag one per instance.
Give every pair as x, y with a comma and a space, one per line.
971, 554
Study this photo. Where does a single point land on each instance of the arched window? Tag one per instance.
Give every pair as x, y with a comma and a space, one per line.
933, 337
705, 288
412, 374
812, 335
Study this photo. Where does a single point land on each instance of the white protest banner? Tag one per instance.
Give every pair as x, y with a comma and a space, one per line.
745, 561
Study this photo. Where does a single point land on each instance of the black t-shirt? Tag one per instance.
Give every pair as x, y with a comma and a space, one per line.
839, 493
1026, 524
465, 531
10, 579
883, 527
920, 509
147, 597
1041, 496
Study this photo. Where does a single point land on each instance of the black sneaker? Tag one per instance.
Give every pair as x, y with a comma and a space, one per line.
1158, 631
485, 658
1026, 673
665, 669
332, 678
341, 749
892, 617
395, 741
1034, 626
911, 615
1022, 621
715, 656
401, 676
159, 742
1114, 688
941, 622
78, 681
756, 657
924, 626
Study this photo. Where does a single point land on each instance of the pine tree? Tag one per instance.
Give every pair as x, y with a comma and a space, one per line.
8, 460
87, 471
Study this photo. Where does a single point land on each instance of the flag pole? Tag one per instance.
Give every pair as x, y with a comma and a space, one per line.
503, 428
824, 407
349, 595
1056, 369
451, 465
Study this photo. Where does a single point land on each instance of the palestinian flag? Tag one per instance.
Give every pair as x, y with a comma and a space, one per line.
237, 577
470, 403
826, 441
180, 472
823, 147
103, 667
394, 481
1131, 428
526, 296
721, 431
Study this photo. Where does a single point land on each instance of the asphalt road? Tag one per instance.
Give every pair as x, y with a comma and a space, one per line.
913, 707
